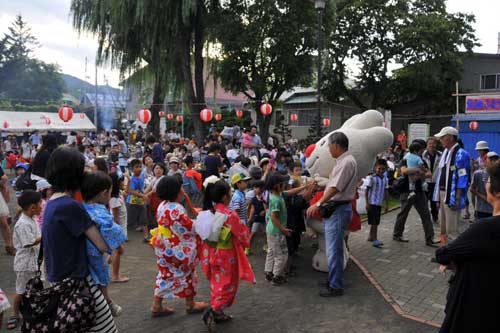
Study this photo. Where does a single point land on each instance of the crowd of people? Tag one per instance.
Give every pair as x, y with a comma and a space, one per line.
206, 203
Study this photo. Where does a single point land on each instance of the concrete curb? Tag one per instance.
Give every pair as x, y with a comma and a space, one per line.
388, 298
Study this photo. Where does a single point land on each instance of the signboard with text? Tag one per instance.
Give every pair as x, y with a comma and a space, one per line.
485, 103
418, 131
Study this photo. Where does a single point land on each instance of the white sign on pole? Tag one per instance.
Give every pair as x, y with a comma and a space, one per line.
388, 119
418, 131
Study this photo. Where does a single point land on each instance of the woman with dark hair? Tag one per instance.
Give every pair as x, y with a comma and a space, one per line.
176, 247
100, 165
224, 262
49, 144
118, 208
159, 171
66, 228
473, 256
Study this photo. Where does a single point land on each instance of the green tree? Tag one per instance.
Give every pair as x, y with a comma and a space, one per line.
23, 79
166, 35
418, 35
282, 128
266, 48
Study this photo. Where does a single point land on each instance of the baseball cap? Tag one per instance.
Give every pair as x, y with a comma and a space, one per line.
22, 166
482, 145
448, 130
492, 154
174, 159
238, 177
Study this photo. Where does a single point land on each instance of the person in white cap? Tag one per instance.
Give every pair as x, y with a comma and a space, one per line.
451, 183
483, 150
478, 188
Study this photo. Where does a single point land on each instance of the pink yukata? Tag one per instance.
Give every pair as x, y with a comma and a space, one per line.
225, 267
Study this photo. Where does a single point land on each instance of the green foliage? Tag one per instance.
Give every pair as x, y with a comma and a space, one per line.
418, 35
266, 48
25, 80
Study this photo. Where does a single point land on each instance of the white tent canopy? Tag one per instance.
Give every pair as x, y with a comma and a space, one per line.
19, 121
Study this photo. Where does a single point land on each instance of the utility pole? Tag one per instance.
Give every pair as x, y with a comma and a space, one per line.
95, 108
320, 6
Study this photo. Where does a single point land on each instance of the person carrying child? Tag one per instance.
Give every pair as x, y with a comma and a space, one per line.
27, 237
376, 195
224, 262
414, 160
96, 192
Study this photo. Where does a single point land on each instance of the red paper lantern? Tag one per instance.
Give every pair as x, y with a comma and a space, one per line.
294, 117
266, 109
65, 113
310, 149
144, 116
239, 113
5, 124
47, 120
218, 117
473, 125
179, 119
161, 114
206, 115
82, 115
170, 116
326, 122
28, 123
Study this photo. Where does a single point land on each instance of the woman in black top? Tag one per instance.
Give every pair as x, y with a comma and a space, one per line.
474, 256
49, 144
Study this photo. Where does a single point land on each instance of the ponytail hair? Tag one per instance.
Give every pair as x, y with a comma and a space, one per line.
214, 193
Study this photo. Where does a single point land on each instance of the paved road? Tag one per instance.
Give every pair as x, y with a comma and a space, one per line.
295, 307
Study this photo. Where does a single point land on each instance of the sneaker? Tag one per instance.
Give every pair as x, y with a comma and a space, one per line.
377, 243
116, 310
411, 195
331, 292
278, 281
269, 276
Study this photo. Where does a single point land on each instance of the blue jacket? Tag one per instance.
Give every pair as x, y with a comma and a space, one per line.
457, 176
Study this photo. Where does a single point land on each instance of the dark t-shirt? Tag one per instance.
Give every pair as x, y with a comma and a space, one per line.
259, 207
212, 165
1, 172
64, 241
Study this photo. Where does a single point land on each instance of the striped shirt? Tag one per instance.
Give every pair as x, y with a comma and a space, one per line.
376, 189
239, 205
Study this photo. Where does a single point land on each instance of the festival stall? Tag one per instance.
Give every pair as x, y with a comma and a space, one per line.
19, 122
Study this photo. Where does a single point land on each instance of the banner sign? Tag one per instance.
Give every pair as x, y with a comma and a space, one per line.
489, 103
418, 131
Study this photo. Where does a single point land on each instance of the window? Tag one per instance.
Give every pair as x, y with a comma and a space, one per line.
490, 81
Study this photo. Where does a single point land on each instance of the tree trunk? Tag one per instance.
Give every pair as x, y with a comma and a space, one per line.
156, 107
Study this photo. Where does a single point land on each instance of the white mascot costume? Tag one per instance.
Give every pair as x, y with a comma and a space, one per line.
367, 138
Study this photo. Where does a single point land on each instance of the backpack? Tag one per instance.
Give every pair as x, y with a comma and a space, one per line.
24, 182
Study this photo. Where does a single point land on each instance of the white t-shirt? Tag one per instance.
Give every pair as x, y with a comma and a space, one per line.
26, 231
8, 145
122, 211
71, 139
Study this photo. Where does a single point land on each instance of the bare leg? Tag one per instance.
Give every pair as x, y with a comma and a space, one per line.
104, 290
115, 267
5, 230
16, 303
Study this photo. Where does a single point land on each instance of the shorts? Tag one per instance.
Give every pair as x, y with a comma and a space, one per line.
258, 226
4, 209
374, 215
136, 215
22, 278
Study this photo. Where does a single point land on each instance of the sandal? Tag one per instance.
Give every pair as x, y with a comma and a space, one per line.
11, 251
197, 307
164, 312
209, 319
377, 244
12, 323
221, 317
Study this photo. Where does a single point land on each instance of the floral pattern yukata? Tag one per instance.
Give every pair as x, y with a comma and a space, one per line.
225, 267
176, 247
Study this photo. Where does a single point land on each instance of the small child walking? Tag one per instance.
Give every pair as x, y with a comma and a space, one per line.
96, 192
27, 237
136, 199
258, 208
376, 194
118, 209
239, 201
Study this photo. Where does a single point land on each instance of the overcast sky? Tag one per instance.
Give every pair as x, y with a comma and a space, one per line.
51, 25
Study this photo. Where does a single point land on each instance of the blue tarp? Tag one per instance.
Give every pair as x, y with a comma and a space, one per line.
488, 130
